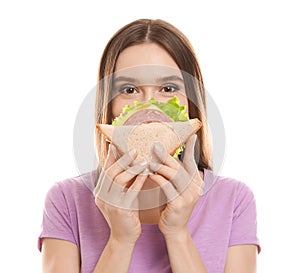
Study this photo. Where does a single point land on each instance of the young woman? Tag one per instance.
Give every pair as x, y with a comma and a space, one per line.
211, 224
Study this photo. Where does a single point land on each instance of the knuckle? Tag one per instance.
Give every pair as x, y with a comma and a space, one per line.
123, 163
180, 206
118, 179
188, 199
134, 170
108, 172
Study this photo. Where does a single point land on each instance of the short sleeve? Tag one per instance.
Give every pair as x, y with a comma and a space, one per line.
244, 223
56, 217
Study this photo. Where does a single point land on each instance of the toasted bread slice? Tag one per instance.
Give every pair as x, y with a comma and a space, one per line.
172, 135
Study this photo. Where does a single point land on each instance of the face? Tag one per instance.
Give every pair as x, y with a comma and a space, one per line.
146, 71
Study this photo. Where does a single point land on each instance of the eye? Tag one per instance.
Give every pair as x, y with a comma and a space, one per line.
170, 88
128, 89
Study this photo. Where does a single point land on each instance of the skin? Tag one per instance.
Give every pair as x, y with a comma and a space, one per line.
172, 218
148, 86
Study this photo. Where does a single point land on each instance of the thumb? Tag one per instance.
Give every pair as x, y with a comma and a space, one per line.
189, 159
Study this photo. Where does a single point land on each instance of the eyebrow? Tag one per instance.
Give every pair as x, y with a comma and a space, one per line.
159, 79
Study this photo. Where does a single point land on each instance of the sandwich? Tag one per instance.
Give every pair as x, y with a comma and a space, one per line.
145, 123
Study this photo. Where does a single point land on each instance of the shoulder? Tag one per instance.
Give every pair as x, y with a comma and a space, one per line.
235, 199
71, 188
227, 192
225, 185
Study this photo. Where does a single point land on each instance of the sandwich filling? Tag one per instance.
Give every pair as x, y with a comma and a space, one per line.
144, 123
152, 111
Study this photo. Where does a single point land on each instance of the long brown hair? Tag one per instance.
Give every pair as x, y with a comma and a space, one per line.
180, 49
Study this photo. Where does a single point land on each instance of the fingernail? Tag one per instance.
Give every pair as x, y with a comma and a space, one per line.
143, 165
146, 171
158, 147
154, 166
138, 168
132, 152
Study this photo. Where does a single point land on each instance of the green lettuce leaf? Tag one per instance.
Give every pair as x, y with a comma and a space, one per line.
172, 108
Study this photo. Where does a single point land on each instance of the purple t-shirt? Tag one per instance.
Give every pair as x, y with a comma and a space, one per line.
224, 216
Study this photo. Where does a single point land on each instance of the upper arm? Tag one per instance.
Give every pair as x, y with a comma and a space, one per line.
241, 258
60, 256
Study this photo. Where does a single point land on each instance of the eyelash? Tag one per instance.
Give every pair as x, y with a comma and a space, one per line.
124, 89
172, 86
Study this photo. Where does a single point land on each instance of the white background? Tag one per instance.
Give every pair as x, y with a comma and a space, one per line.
249, 55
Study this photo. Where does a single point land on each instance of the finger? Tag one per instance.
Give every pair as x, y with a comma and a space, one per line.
166, 186
110, 191
121, 164
119, 196
163, 170
115, 191
112, 156
124, 177
102, 183
161, 153
138, 183
135, 189
189, 159
98, 183
179, 178
122, 180
103, 186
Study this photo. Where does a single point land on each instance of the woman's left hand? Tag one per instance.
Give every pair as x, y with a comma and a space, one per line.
181, 183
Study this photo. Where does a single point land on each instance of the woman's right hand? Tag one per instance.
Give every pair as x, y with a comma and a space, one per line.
116, 195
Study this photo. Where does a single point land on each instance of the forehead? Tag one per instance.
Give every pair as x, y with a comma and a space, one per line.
148, 74
144, 54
